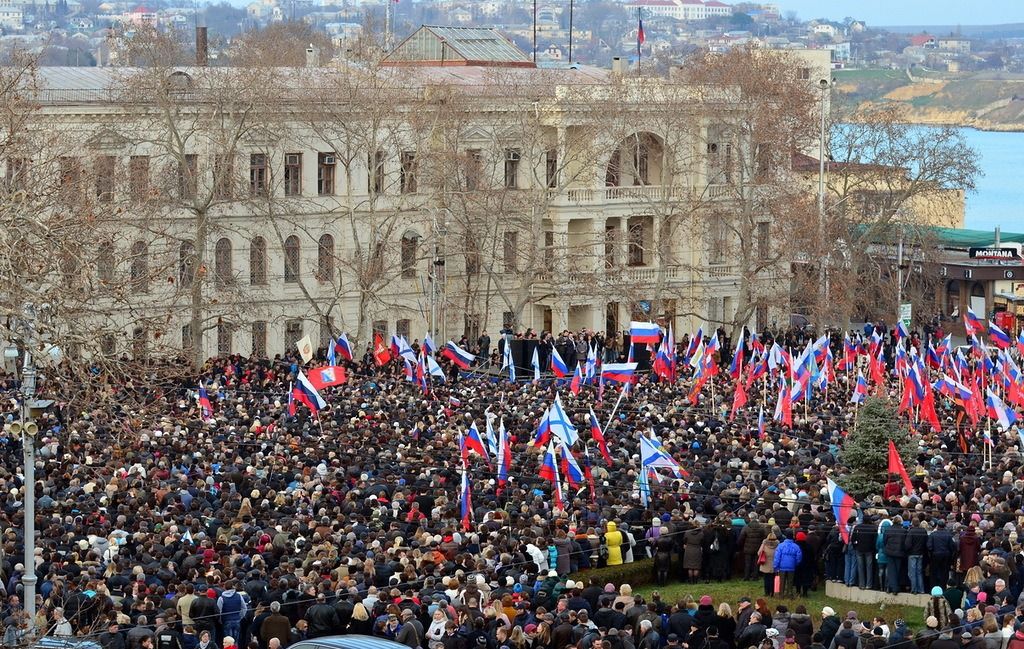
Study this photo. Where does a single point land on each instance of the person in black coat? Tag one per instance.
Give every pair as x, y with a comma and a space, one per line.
893, 541
915, 545
940, 552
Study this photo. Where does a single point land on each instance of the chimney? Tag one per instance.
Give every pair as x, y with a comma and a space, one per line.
618, 65
202, 47
312, 56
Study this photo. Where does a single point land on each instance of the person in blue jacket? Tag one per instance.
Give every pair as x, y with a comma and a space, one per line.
787, 558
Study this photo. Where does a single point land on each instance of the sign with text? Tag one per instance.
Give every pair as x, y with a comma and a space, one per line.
993, 253
905, 313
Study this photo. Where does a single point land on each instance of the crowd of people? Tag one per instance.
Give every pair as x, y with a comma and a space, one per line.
258, 529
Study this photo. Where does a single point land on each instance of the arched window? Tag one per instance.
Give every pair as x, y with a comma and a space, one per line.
258, 261
105, 262
325, 258
292, 257
187, 263
140, 267
409, 245
223, 273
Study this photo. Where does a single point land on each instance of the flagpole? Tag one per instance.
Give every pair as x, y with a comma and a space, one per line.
639, 23
570, 30
535, 31
615, 407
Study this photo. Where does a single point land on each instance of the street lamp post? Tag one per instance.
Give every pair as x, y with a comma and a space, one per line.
27, 430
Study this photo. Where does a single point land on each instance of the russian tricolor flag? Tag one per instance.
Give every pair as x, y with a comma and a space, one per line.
598, 436
205, 407
543, 430
760, 424
549, 465
558, 366
343, 347
619, 372
304, 393
843, 505
473, 442
647, 333
997, 410
860, 391
457, 355
504, 454
998, 337
972, 323
571, 469
428, 344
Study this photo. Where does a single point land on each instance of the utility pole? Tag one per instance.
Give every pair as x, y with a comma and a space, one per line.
28, 430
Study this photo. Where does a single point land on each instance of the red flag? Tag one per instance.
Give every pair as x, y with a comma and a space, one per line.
381, 353
896, 467
327, 376
739, 399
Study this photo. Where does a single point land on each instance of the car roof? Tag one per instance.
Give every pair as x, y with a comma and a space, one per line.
347, 642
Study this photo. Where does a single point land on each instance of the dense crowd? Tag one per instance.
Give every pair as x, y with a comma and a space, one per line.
259, 529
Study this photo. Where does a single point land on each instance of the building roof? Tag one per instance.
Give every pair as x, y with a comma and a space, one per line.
961, 238
440, 45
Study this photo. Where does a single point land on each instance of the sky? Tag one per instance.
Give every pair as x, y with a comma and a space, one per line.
909, 12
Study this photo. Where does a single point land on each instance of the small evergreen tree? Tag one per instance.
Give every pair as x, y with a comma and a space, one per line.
865, 452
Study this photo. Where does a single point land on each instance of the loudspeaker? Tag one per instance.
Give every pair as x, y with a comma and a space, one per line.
641, 355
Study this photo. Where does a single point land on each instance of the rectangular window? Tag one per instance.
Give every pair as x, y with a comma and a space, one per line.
223, 177
293, 174
326, 331
259, 339
402, 327
407, 180
549, 251
611, 239
70, 176
17, 168
187, 176
611, 175
472, 327
292, 333
510, 251
381, 327
716, 240
803, 74
472, 256
635, 248
325, 166
138, 178
224, 339
139, 337
375, 178
727, 165
508, 318
761, 317
762, 161
512, 157
763, 241
551, 168
186, 338
474, 169
108, 345
257, 174
641, 164
408, 254
104, 170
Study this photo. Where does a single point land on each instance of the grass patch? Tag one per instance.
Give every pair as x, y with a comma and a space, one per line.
732, 591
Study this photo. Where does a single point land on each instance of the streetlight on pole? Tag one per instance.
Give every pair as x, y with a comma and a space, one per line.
437, 272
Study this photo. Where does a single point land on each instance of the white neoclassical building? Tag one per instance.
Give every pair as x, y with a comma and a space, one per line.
455, 188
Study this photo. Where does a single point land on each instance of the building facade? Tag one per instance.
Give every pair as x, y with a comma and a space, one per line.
455, 189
